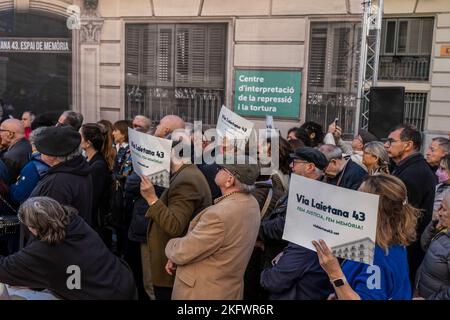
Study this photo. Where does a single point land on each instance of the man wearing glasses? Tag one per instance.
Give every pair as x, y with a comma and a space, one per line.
403, 146
12, 134
307, 162
296, 272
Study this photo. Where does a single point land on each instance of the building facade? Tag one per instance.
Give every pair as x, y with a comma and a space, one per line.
361, 251
190, 57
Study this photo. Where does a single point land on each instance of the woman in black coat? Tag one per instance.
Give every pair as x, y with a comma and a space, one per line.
433, 276
67, 257
97, 146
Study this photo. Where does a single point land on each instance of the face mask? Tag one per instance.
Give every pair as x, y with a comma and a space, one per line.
442, 175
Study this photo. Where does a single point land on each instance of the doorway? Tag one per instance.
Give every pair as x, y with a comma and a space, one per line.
29, 79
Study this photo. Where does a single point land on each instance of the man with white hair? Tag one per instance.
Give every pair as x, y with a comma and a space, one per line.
341, 171
12, 134
142, 123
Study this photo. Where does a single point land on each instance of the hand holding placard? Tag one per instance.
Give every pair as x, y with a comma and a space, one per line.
148, 190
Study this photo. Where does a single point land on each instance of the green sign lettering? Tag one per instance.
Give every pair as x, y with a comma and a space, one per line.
261, 93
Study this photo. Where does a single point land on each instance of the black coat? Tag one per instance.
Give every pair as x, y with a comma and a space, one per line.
139, 223
433, 277
70, 184
16, 157
102, 187
420, 183
41, 265
350, 177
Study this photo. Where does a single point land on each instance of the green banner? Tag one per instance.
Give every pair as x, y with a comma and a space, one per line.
273, 93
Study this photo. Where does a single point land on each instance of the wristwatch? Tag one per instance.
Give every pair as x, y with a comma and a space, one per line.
338, 282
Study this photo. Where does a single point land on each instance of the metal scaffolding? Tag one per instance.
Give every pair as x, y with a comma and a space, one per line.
368, 63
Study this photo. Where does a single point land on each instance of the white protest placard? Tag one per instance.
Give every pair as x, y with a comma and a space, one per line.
234, 127
151, 156
345, 219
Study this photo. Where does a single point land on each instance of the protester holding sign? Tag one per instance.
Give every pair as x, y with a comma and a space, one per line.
387, 278
296, 273
307, 162
170, 215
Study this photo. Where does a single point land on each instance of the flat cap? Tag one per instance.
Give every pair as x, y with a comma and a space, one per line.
246, 173
57, 141
311, 155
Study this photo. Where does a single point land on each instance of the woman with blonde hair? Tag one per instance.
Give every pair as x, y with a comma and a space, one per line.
375, 158
396, 229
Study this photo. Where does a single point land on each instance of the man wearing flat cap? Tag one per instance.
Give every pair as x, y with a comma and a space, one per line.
68, 180
210, 261
295, 272
306, 162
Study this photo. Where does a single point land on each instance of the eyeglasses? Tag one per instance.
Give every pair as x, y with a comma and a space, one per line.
299, 161
390, 141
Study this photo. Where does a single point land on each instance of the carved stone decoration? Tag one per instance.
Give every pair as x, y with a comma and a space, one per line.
90, 8
91, 4
91, 29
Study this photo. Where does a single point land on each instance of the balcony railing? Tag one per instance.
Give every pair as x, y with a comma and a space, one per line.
415, 107
192, 104
323, 108
404, 68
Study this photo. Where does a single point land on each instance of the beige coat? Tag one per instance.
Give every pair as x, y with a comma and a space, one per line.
214, 254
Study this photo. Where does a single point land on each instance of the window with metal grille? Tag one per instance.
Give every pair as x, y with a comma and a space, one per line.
405, 49
333, 74
175, 69
415, 109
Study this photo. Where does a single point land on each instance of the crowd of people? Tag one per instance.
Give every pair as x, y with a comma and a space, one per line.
217, 231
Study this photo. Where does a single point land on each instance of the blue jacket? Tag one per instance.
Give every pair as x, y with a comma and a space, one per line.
387, 279
297, 276
29, 177
350, 177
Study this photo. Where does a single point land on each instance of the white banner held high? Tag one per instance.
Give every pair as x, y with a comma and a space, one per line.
234, 127
151, 156
345, 219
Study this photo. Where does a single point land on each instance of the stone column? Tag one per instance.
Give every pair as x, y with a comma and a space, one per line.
89, 67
